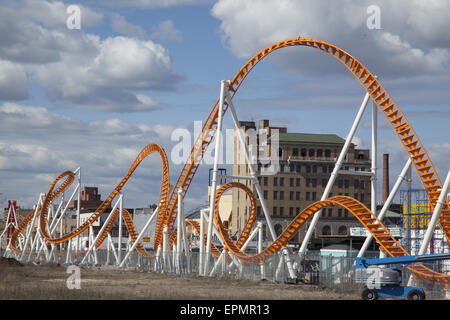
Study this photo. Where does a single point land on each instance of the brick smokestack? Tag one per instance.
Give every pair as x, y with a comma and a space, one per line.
385, 194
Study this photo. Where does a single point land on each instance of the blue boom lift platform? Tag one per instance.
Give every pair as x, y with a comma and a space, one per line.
387, 282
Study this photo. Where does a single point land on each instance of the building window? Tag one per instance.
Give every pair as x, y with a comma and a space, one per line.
297, 182
278, 229
281, 195
340, 213
330, 212
295, 152
291, 211
324, 183
281, 182
346, 184
314, 183
356, 196
303, 152
275, 195
291, 182
281, 167
292, 167
291, 195
356, 183
327, 153
311, 152
340, 183
319, 153
342, 230
298, 168
314, 169
314, 194
307, 196
297, 195
308, 182
362, 197
258, 211
266, 180
281, 211
308, 168
362, 185
275, 181
324, 169
275, 211
265, 194
326, 231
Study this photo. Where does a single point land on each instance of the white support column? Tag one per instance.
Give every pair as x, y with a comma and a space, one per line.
386, 206
119, 246
139, 238
78, 238
185, 239
215, 170
408, 212
179, 231
201, 249
373, 179
165, 250
260, 247
333, 176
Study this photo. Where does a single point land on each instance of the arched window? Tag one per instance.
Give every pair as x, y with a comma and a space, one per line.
278, 229
342, 230
326, 231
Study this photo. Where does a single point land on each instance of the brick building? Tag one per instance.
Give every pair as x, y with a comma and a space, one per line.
305, 165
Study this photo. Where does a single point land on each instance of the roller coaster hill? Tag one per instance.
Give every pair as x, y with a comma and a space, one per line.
171, 251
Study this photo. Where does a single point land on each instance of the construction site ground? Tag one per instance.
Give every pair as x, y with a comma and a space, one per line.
49, 281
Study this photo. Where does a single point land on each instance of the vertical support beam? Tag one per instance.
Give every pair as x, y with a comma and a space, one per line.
78, 238
201, 249
165, 250
119, 245
386, 205
179, 230
334, 174
259, 225
373, 178
187, 253
215, 170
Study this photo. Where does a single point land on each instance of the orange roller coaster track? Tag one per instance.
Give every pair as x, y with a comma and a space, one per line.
168, 204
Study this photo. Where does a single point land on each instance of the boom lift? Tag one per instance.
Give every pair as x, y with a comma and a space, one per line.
387, 281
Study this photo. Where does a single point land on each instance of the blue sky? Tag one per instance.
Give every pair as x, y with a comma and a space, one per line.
71, 98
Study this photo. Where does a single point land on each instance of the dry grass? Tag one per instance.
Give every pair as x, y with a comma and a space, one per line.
49, 282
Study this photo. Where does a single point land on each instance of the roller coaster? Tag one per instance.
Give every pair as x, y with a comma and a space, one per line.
166, 234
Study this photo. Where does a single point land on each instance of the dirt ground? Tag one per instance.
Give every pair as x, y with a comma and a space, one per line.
30, 281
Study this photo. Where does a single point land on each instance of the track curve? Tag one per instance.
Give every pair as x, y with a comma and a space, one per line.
53, 193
